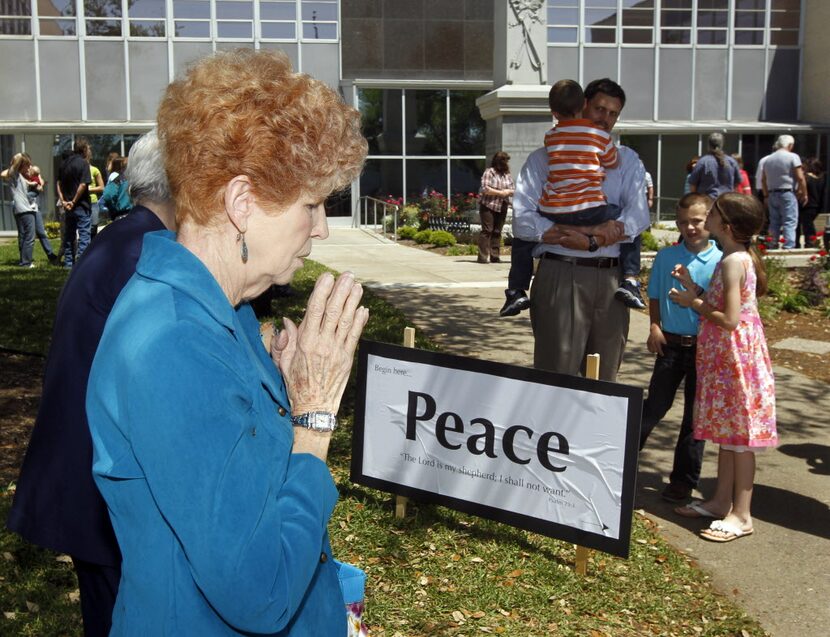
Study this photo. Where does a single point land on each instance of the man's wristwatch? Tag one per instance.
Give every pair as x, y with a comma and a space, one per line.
324, 421
593, 246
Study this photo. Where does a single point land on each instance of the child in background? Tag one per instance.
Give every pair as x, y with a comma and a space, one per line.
578, 154
673, 337
735, 398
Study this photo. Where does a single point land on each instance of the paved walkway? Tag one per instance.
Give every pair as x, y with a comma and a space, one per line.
781, 574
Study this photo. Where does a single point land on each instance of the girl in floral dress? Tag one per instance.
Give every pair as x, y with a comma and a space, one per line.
735, 399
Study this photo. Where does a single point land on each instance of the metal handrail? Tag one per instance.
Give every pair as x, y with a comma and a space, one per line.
364, 208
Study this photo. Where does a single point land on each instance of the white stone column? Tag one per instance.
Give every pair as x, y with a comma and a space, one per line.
516, 111
520, 48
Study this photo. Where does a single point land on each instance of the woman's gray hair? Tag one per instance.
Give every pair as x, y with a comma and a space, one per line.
145, 170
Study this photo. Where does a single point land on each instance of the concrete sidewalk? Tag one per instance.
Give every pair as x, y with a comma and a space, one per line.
781, 574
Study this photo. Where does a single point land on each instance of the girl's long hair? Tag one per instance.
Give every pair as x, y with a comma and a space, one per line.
19, 162
744, 214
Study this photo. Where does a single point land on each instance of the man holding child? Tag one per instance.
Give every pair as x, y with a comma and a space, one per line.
573, 311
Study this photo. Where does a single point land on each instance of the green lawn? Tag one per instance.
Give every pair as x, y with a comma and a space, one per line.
437, 572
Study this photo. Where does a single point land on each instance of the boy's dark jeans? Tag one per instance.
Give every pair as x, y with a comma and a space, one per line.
676, 363
521, 262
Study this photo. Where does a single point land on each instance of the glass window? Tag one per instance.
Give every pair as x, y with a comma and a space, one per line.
15, 18
278, 30
380, 178
319, 19
380, 115
147, 28
563, 21
319, 31
600, 21
103, 18
465, 175
234, 10
426, 123
676, 22
191, 29
192, 9
57, 17
425, 175
147, 9
749, 38
192, 18
785, 16
277, 10
426, 129
235, 19
562, 36
147, 18
241, 30
278, 19
466, 126
638, 21
320, 11
712, 21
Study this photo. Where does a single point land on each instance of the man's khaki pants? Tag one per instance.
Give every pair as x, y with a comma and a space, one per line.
573, 313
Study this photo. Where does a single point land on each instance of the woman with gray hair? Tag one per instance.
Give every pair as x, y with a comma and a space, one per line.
56, 504
716, 172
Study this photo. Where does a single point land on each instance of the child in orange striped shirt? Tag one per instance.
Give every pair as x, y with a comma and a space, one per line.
578, 155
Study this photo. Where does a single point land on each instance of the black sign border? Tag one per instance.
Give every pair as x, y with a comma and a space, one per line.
619, 547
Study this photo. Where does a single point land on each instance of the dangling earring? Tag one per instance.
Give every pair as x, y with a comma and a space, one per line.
240, 236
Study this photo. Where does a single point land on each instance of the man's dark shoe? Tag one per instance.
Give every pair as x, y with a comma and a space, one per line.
516, 302
629, 293
677, 492
54, 259
495, 260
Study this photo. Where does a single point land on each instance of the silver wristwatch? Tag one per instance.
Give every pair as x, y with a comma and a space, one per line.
316, 421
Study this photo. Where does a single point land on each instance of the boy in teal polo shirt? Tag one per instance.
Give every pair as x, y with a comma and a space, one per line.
673, 336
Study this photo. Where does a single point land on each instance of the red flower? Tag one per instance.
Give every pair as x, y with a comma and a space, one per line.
813, 238
822, 253
768, 239
762, 247
782, 240
813, 258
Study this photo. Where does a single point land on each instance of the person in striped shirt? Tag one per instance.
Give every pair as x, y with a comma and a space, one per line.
578, 155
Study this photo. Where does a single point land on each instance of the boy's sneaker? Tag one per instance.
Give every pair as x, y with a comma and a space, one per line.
516, 302
629, 293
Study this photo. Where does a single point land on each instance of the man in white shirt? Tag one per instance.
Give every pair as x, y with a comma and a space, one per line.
572, 307
783, 181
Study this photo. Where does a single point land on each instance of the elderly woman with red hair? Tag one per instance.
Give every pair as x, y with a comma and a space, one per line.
211, 453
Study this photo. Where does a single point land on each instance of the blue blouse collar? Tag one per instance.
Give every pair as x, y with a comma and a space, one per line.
163, 259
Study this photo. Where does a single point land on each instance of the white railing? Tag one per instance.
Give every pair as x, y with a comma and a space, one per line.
368, 210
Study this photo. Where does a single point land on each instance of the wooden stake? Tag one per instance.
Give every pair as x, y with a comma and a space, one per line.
582, 553
400, 500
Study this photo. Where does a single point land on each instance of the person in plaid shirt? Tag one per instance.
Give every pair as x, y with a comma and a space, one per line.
496, 190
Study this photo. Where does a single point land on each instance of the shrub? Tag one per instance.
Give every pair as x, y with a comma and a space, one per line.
424, 236
407, 232
781, 293
649, 242
410, 215
816, 281
462, 249
442, 238
53, 229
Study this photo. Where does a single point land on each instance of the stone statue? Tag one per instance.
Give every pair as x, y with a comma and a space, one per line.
527, 19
